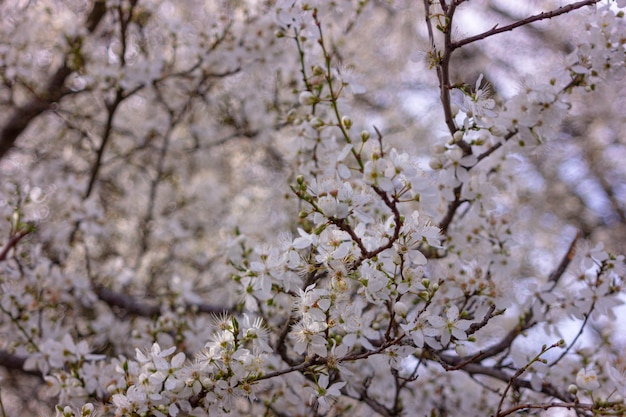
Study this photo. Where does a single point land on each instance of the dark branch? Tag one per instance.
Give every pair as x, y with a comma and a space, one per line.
567, 258
497, 348
478, 369
53, 92
15, 362
523, 22
452, 208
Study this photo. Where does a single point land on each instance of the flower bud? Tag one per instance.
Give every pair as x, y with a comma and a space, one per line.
365, 135
400, 309
87, 410
461, 350
458, 135
317, 70
307, 98
437, 148
455, 153
435, 163
346, 122
316, 122
454, 109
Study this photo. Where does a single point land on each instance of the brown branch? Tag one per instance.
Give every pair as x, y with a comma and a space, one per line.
54, 90
281, 346
520, 372
392, 205
443, 66
495, 349
111, 109
496, 146
491, 313
569, 405
443, 72
567, 258
450, 362
15, 239
452, 208
523, 22
317, 360
454, 205
119, 97
375, 404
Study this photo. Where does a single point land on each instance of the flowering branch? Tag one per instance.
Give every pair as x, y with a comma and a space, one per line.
520, 371
356, 303
448, 361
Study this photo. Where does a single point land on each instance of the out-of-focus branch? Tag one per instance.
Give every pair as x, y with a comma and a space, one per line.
135, 307
108, 129
594, 158
120, 96
53, 92
374, 404
567, 258
15, 362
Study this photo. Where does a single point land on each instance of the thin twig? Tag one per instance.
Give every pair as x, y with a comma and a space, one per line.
13, 241
523, 22
521, 371
528, 406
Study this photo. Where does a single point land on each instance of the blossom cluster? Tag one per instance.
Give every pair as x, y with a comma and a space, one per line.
346, 265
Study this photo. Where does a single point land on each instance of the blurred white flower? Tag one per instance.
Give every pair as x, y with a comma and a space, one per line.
587, 380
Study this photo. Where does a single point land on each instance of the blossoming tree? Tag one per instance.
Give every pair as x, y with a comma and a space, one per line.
293, 208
